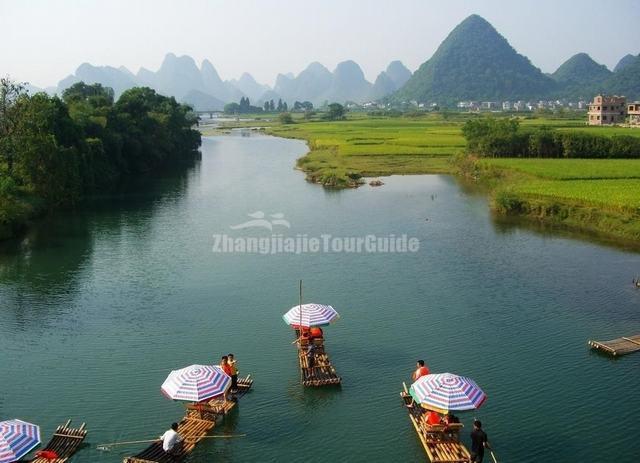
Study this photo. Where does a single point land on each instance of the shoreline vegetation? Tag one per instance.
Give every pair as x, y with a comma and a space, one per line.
580, 187
57, 151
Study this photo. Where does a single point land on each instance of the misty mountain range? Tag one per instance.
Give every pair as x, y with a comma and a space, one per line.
203, 88
474, 62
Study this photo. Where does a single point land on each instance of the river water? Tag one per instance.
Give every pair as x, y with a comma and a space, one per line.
99, 304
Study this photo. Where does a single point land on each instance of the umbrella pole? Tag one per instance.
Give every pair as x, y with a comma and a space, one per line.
300, 305
300, 327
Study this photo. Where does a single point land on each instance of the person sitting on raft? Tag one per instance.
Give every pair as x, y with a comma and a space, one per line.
450, 418
171, 440
421, 370
433, 418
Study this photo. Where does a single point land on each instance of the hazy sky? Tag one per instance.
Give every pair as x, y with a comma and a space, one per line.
44, 41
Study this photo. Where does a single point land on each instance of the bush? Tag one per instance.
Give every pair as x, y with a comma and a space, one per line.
490, 137
285, 118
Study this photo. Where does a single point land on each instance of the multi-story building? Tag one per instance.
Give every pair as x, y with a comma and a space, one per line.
607, 110
633, 111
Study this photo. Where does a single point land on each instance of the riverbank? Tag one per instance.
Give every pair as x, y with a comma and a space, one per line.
598, 197
595, 196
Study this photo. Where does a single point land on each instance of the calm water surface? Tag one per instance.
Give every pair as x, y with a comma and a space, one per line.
98, 305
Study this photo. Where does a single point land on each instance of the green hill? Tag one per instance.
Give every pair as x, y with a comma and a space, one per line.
625, 61
626, 81
580, 77
475, 62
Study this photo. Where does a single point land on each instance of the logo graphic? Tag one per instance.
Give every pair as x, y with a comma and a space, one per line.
259, 221
278, 242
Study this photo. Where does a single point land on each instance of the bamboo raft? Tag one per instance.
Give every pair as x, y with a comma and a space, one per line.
619, 346
322, 373
198, 421
441, 443
65, 442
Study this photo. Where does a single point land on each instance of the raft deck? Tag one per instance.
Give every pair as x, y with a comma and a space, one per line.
198, 421
65, 442
441, 443
619, 346
322, 373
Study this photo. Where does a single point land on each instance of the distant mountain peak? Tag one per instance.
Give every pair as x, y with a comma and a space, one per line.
475, 62
624, 62
580, 76
398, 73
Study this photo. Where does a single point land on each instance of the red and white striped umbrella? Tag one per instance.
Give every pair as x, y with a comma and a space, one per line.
17, 438
307, 315
196, 383
446, 391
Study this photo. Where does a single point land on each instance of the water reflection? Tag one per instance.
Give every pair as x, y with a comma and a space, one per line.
42, 268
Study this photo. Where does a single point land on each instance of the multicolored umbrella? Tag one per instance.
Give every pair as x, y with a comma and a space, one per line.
17, 438
196, 383
446, 391
312, 315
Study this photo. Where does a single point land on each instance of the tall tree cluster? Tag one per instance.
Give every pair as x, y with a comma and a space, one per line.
58, 149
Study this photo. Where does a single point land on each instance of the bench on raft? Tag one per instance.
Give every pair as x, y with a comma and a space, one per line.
441, 442
210, 409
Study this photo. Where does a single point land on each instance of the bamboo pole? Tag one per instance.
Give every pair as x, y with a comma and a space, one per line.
147, 441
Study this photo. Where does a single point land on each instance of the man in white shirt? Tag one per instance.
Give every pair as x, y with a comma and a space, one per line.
170, 439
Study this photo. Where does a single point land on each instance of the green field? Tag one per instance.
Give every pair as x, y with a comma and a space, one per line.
344, 150
571, 169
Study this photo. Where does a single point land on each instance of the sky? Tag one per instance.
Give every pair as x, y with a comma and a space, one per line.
46, 40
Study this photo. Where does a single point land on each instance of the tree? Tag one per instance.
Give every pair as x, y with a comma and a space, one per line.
285, 107
279, 109
335, 112
232, 108
266, 106
272, 106
48, 143
10, 92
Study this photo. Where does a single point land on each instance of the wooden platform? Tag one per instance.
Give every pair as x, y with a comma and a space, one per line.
65, 442
322, 373
198, 421
441, 443
619, 346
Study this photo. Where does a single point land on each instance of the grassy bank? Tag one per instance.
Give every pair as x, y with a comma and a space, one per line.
344, 151
597, 196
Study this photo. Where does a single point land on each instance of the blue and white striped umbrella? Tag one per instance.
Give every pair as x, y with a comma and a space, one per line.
17, 438
196, 383
446, 391
312, 315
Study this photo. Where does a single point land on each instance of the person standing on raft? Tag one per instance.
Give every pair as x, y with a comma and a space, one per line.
234, 373
421, 370
224, 364
478, 442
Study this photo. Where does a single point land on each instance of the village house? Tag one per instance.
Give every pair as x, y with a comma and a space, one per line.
607, 110
633, 111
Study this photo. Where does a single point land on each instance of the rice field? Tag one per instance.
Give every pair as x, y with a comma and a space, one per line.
571, 169
615, 194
